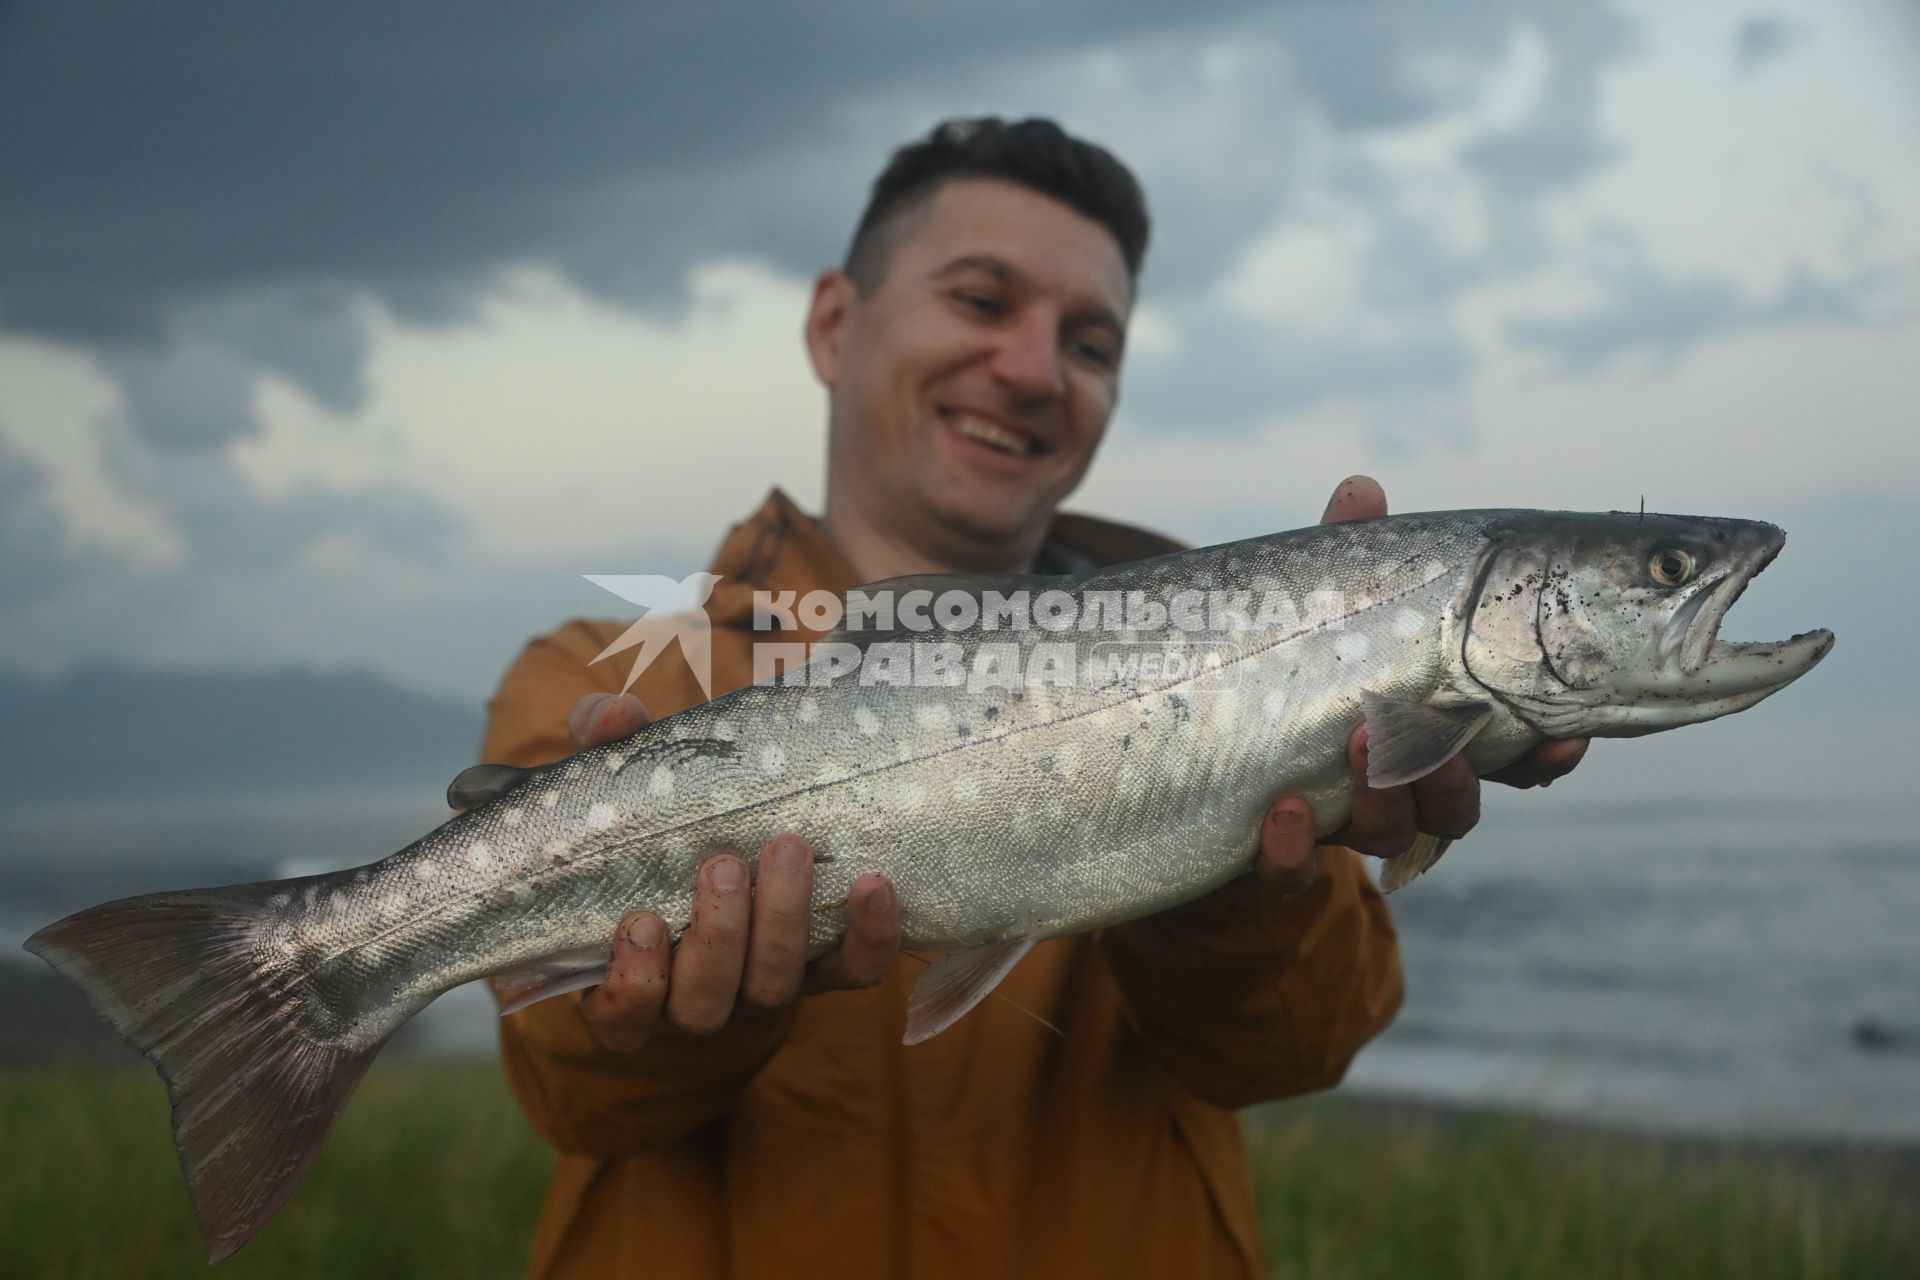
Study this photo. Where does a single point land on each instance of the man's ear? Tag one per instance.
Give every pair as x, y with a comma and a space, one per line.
834, 297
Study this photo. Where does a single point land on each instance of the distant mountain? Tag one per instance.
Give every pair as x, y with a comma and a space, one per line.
117, 734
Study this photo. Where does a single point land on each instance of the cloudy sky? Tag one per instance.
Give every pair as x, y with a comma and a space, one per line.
354, 337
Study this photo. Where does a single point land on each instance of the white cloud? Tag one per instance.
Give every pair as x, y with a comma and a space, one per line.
54, 409
559, 429
1810, 163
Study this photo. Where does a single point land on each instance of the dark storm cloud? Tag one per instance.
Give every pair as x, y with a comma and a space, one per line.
159, 165
198, 201
153, 156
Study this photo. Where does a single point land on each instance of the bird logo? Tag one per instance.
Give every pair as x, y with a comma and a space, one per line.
670, 608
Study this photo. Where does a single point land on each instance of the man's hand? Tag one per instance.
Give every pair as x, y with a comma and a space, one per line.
1384, 822
747, 944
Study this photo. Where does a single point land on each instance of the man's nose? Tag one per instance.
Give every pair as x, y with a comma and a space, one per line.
1028, 361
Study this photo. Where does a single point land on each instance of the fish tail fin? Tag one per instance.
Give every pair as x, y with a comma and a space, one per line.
200, 983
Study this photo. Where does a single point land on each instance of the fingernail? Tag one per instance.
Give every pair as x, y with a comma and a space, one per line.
727, 875
645, 933
788, 855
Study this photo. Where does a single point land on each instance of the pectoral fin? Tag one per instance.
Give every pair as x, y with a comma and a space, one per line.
1409, 740
482, 783
1398, 870
957, 982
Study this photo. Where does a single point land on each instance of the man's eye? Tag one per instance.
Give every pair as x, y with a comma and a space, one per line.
1095, 353
979, 303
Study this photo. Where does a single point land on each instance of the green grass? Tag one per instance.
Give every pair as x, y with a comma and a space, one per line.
1345, 1192
432, 1173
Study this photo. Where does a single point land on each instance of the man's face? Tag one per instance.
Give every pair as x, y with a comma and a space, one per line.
972, 384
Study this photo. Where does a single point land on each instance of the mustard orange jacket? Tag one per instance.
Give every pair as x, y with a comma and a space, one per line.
813, 1143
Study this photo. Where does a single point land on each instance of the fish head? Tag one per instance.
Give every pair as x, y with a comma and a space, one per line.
1609, 625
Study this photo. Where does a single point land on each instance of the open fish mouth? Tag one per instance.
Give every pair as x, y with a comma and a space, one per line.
1746, 670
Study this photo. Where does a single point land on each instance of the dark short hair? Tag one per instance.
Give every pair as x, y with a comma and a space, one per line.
1036, 154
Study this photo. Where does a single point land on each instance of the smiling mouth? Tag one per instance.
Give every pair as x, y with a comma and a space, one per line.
991, 434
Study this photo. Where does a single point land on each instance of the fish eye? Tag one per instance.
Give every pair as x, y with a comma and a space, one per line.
1670, 566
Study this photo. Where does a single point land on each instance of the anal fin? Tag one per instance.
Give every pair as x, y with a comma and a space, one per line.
957, 982
549, 977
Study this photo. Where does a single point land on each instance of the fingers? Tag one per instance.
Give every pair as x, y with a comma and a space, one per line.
782, 911
1383, 822
623, 1010
1447, 801
713, 951
604, 717
1288, 858
866, 953
1355, 498
1544, 764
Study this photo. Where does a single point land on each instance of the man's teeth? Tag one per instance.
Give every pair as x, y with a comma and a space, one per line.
999, 437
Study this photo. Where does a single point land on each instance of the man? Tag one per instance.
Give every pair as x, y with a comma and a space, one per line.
716, 1111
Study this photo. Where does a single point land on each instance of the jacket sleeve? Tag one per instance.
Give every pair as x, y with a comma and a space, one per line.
1250, 994
582, 1098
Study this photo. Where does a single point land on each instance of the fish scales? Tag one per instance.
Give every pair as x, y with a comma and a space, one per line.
1002, 812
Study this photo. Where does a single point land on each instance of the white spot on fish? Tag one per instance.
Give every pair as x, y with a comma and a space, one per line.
480, 856
279, 899
512, 817
1351, 646
572, 770
660, 785
808, 711
931, 715
393, 906
548, 799
520, 893
600, 817
724, 729
867, 722
773, 759
425, 869
338, 901
1408, 623
616, 762
308, 895
1435, 569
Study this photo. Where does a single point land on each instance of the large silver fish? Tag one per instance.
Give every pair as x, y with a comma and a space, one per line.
1075, 776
